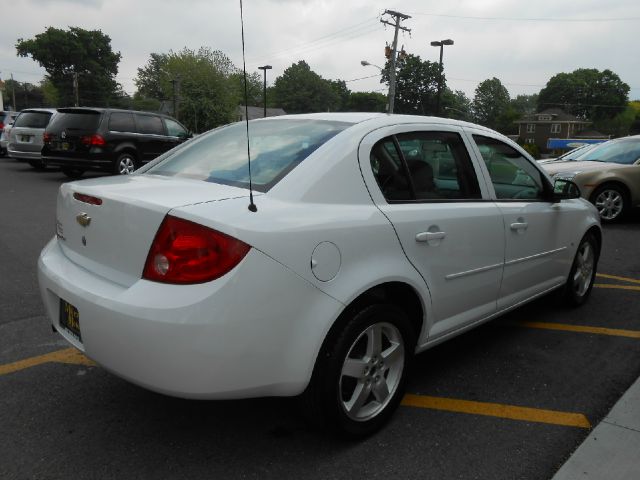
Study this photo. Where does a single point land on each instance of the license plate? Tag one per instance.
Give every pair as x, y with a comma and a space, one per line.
70, 319
64, 146
26, 138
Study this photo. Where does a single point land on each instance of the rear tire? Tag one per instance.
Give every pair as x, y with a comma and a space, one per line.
37, 164
360, 375
583, 271
125, 164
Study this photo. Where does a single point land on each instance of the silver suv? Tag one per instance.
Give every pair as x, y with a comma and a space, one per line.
25, 138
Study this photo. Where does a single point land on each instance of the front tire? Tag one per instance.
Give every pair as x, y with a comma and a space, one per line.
360, 374
583, 271
611, 202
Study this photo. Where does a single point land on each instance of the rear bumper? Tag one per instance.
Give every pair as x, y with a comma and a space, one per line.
83, 163
22, 155
254, 332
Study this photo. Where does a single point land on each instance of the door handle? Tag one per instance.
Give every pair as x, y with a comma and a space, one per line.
429, 236
519, 226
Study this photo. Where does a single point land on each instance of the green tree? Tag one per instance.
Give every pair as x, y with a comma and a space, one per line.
367, 102
300, 90
525, 104
587, 93
634, 128
416, 85
205, 87
456, 104
342, 92
66, 53
26, 95
51, 96
491, 103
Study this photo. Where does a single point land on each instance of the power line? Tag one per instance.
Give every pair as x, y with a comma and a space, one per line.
531, 19
363, 78
330, 38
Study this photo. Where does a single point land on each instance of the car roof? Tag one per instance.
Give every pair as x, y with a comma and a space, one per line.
377, 119
38, 110
101, 110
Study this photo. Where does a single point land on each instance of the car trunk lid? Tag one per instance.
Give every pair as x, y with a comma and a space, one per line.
107, 225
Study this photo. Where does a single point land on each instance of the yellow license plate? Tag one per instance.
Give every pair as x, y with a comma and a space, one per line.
70, 319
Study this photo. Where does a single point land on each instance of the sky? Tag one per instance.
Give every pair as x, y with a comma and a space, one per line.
522, 43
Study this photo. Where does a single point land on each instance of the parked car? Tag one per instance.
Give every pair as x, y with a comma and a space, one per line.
25, 137
608, 175
571, 154
116, 141
6, 121
357, 240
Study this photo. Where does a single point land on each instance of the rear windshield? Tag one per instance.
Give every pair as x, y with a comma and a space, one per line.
78, 120
624, 151
277, 146
33, 119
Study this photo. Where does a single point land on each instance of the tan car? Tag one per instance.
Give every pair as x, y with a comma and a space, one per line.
608, 176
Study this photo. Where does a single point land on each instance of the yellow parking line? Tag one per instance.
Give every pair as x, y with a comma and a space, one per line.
615, 277
579, 328
498, 410
619, 287
68, 355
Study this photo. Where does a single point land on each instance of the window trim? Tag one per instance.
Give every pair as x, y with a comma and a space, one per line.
470, 169
547, 183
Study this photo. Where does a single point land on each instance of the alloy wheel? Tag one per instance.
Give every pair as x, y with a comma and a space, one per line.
371, 371
609, 203
126, 165
585, 263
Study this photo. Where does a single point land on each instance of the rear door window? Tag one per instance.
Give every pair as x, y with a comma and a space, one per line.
121, 122
424, 166
149, 124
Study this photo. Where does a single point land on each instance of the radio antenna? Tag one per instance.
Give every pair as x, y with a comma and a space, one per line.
252, 206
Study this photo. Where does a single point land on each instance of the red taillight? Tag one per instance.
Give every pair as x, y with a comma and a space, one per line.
184, 252
93, 140
81, 197
1, 125
46, 137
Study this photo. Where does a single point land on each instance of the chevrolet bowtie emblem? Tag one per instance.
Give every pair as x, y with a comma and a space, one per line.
83, 219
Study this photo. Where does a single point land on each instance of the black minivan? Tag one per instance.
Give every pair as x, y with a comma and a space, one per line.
117, 141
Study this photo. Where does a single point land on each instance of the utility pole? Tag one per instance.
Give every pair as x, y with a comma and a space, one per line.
175, 81
76, 89
13, 92
397, 17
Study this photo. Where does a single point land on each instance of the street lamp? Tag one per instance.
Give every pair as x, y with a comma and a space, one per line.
264, 88
365, 63
440, 44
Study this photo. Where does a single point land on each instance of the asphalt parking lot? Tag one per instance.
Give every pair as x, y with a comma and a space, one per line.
511, 399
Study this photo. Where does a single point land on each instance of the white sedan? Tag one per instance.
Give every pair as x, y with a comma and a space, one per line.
369, 238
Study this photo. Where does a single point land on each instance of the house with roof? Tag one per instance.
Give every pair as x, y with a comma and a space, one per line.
543, 129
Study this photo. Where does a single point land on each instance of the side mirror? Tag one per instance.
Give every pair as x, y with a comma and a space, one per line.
565, 189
